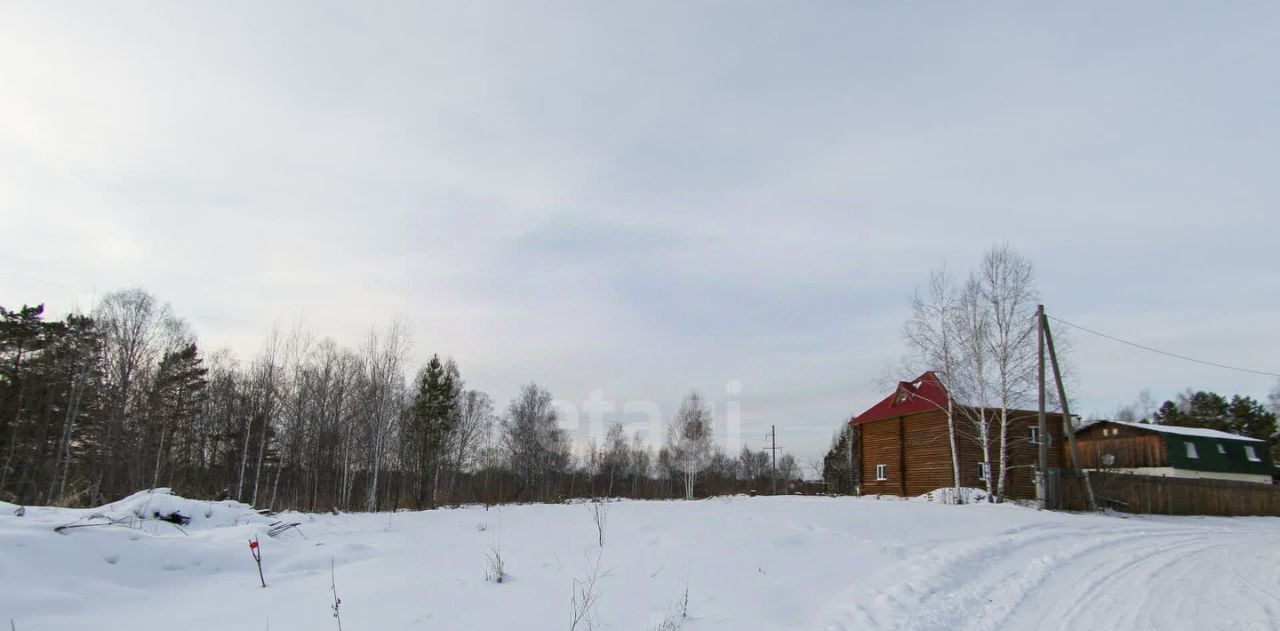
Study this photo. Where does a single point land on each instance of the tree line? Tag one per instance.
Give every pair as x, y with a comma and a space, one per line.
1238, 414
96, 406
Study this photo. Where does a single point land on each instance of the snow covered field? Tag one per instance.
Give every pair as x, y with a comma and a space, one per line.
748, 563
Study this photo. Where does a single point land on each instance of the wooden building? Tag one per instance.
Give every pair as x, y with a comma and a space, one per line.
1171, 451
904, 447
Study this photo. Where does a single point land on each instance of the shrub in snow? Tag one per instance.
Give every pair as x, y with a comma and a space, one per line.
582, 604
677, 612
337, 602
600, 516
497, 571
671, 623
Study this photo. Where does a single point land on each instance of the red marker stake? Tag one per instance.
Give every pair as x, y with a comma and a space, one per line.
257, 556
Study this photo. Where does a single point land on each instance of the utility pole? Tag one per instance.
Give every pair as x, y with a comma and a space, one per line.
1042, 435
773, 471
1066, 413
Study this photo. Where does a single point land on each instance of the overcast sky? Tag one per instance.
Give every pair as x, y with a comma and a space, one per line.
650, 199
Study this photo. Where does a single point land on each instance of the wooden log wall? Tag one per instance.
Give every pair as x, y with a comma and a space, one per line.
917, 453
1136, 451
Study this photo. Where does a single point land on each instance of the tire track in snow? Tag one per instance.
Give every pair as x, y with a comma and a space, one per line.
1069, 597
929, 589
1048, 576
1197, 583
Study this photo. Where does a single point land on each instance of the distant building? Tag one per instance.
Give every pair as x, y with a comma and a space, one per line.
1171, 451
904, 448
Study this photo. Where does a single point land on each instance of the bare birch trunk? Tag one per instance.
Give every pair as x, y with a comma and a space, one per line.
1004, 451
244, 457
955, 452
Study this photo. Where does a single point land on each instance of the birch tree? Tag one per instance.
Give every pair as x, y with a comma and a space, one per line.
689, 439
933, 337
383, 360
1007, 289
537, 449
973, 379
788, 470
137, 330
466, 440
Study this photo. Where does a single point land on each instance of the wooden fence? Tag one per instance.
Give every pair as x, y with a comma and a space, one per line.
1166, 495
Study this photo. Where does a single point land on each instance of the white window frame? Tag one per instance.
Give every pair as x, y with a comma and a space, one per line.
984, 471
1034, 431
1222, 449
1251, 454
882, 472
1191, 450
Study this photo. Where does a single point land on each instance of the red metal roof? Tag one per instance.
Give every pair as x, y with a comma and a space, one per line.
922, 394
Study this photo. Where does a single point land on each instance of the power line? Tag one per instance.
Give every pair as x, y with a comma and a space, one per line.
1156, 350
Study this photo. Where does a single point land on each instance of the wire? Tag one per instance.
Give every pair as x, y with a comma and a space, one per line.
1156, 350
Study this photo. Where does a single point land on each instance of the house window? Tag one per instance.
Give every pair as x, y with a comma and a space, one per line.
1222, 449
1251, 454
1191, 450
882, 472
984, 471
1035, 436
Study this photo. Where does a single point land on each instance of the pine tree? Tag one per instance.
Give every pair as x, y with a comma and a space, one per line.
1168, 414
1241, 415
1251, 418
432, 417
23, 336
176, 397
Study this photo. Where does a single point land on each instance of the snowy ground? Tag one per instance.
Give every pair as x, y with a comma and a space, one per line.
749, 563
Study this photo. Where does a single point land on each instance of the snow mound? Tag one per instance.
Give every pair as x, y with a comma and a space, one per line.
162, 505
951, 495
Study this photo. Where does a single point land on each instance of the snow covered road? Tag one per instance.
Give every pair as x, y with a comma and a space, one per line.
1212, 578
748, 563
1085, 572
